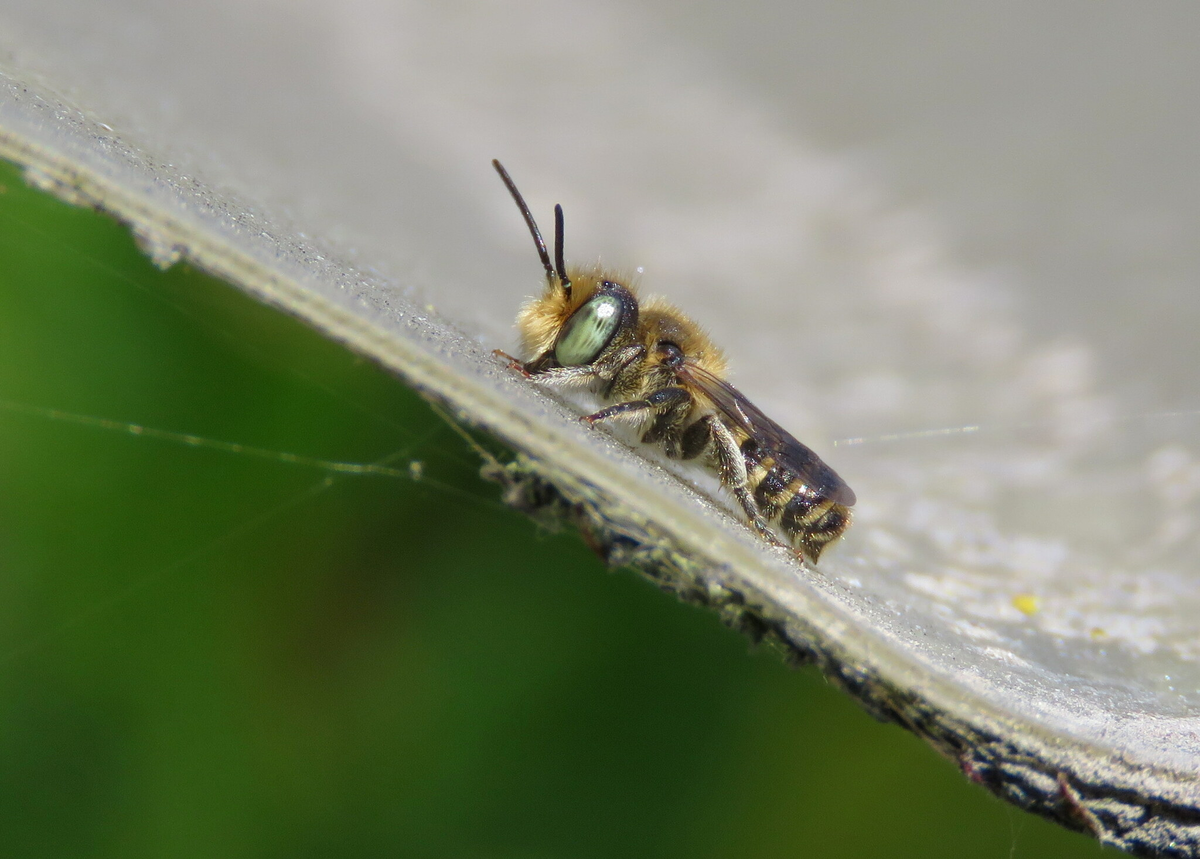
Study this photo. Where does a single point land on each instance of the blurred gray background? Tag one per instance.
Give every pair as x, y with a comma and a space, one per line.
894, 218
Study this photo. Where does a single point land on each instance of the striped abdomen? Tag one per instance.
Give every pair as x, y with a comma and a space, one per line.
810, 519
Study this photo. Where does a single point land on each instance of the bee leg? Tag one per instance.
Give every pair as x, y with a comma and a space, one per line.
731, 466
563, 377
667, 428
620, 367
657, 402
608, 368
513, 363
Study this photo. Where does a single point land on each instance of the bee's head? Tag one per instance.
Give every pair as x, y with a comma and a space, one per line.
583, 313
598, 314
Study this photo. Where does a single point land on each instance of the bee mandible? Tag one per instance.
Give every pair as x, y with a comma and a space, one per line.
662, 373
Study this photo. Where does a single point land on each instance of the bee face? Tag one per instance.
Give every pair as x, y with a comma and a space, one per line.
606, 318
661, 371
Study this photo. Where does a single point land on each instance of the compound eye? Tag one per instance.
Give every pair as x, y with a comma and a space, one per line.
586, 333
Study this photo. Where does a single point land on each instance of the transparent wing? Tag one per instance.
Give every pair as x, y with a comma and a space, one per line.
786, 450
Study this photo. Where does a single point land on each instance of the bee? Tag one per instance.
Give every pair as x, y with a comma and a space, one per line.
661, 372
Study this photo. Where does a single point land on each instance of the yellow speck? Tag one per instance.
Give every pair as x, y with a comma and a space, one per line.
1098, 633
1027, 604
416, 469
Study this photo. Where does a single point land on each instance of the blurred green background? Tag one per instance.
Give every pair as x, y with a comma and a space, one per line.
214, 655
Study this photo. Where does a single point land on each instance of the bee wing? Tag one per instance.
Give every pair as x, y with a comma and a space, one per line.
787, 451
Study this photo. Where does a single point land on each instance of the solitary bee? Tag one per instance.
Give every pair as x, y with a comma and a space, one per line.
662, 373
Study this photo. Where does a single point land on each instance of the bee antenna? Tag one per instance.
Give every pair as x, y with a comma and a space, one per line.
538, 241
558, 250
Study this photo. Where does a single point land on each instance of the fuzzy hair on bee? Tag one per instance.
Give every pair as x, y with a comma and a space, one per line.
662, 373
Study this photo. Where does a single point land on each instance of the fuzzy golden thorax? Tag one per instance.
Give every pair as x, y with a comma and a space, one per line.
661, 322
540, 319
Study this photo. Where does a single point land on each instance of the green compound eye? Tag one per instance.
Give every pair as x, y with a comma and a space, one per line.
586, 333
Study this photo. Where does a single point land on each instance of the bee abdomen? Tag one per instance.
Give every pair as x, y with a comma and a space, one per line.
773, 490
814, 522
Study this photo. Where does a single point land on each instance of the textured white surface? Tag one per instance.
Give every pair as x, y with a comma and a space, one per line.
943, 219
